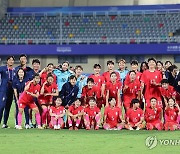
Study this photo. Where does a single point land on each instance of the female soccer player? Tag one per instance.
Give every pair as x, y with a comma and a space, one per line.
171, 115
57, 112
134, 116
113, 116
92, 115
75, 113
113, 88
48, 90
30, 92
18, 85
153, 116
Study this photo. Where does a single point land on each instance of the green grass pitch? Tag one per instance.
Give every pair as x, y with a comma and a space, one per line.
82, 142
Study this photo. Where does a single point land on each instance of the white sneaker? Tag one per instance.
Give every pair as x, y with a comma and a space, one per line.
58, 127
131, 128
19, 127
16, 126
55, 127
5, 126
27, 126
39, 127
137, 128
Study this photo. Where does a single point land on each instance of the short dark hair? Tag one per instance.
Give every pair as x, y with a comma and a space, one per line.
35, 75
168, 62
72, 77
65, 62
110, 62
90, 80
92, 98
134, 101
172, 67
132, 71
49, 75
164, 81
160, 62
77, 99
153, 59
20, 68
113, 73
134, 62
55, 98
9, 57
110, 99
97, 65
36, 61
78, 66
50, 64
22, 55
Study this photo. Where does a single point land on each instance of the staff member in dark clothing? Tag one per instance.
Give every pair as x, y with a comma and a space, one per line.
6, 91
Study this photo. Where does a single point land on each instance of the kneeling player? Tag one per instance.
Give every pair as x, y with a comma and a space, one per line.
57, 112
92, 115
31, 91
153, 116
75, 113
134, 116
113, 116
171, 112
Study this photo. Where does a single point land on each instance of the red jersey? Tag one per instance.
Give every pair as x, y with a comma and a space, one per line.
168, 93
49, 89
172, 114
150, 89
107, 74
57, 110
113, 115
132, 90
92, 112
113, 88
87, 93
24, 97
44, 77
152, 115
75, 110
134, 115
98, 82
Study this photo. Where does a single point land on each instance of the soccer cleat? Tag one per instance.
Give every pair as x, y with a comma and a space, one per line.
71, 128
16, 126
44, 126
5, 126
137, 128
55, 127
130, 128
27, 126
58, 127
75, 128
39, 127
19, 127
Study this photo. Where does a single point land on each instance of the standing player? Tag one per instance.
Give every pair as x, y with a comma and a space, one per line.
131, 89
7, 74
123, 71
113, 116
151, 81
106, 75
62, 74
113, 88
172, 112
48, 90
57, 112
18, 85
75, 113
99, 84
134, 116
153, 116
92, 115
31, 91
88, 91
81, 79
